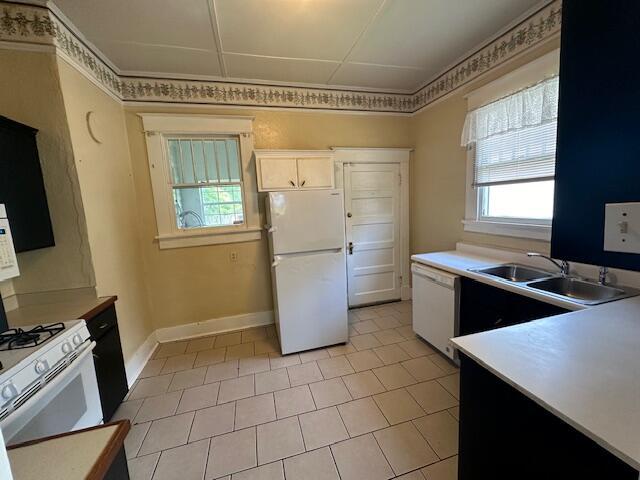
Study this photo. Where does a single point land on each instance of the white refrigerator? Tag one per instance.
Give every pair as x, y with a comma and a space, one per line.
308, 270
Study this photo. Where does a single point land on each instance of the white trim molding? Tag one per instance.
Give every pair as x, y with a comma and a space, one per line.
156, 128
214, 326
136, 363
25, 26
519, 230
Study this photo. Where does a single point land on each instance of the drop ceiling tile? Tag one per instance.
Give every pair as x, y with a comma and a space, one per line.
135, 57
378, 76
161, 22
432, 34
278, 69
323, 30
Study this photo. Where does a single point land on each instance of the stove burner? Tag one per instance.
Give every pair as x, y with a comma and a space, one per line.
16, 338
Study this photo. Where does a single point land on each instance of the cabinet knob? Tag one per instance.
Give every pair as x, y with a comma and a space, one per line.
292, 183
349, 215
303, 182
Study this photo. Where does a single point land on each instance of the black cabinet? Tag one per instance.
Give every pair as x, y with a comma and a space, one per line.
598, 153
483, 307
109, 364
22, 187
506, 435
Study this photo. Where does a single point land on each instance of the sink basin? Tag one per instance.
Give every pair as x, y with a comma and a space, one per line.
582, 291
514, 272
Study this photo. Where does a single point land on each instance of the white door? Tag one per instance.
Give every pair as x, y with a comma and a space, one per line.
372, 206
304, 221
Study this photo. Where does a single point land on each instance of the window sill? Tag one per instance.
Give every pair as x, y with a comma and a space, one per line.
519, 230
195, 239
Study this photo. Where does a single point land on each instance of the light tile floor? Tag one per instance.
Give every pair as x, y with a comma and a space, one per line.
383, 406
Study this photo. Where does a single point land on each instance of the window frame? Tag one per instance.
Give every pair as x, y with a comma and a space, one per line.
158, 129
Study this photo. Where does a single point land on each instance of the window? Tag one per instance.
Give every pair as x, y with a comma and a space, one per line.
206, 180
203, 187
511, 162
513, 173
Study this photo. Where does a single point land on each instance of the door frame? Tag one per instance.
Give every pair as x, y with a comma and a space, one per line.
401, 156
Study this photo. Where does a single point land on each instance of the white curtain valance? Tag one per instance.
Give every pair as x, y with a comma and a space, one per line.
529, 107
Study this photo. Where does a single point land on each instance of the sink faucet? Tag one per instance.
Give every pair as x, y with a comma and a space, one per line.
563, 265
602, 275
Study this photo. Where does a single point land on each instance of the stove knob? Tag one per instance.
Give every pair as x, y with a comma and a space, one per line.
77, 340
8, 391
41, 366
66, 348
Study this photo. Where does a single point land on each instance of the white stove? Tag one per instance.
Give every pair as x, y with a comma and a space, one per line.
50, 387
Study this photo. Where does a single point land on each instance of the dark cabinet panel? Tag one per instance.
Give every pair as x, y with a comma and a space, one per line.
483, 307
22, 187
109, 364
598, 153
505, 435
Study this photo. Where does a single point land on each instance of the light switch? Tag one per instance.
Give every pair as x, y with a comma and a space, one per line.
622, 227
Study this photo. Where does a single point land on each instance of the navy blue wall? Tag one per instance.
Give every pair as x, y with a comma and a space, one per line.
598, 154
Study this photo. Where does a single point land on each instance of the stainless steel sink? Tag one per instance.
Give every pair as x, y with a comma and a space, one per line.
582, 291
514, 272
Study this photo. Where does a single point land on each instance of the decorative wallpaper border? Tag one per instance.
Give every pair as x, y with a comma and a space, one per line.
540, 26
34, 25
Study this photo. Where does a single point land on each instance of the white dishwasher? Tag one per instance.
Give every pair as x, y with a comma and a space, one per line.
436, 302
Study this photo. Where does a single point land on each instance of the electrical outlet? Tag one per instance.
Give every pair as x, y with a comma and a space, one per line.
233, 256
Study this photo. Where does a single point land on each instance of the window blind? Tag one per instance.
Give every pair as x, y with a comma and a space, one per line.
517, 156
204, 160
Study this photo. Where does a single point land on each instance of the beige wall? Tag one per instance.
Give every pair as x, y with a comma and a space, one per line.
30, 93
102, 205
199, 283
438, 174
110, 204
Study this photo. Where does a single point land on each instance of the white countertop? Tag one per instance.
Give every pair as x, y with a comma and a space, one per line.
460, 262
583, 366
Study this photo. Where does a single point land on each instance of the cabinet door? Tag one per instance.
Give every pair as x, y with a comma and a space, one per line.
22, 188
112, 382
108, 361
315, 172
277, 173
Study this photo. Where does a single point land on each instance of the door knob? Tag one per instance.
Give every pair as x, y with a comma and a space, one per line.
349, 215
350, 247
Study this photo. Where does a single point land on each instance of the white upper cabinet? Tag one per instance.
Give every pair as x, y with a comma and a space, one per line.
294, 169
277, 173
315, 172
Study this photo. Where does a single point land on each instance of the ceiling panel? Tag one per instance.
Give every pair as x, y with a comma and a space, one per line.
312, 29
378, 76
431, 34
384, 44
279, 69
184, 23
136, 57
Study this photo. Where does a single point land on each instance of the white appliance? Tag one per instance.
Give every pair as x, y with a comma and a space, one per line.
48, 388
436, 303
309, 273
8, 261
